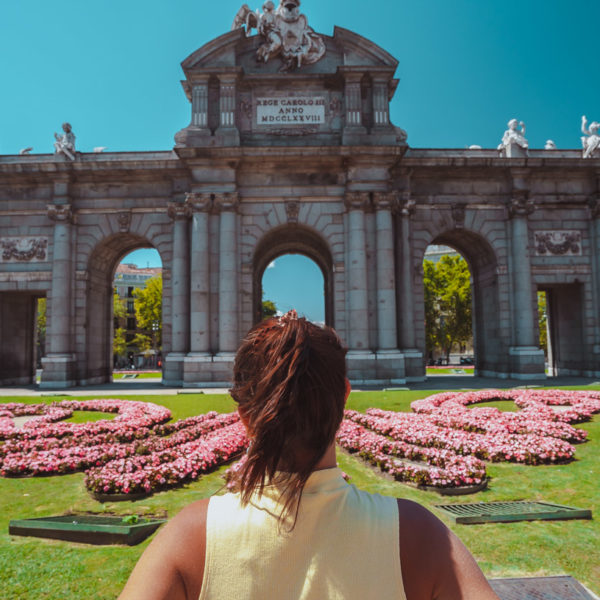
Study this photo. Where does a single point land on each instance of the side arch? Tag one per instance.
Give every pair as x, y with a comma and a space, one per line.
101, 267
292, 239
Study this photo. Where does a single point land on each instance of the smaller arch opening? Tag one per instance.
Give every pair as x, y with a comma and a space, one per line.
137, 314
294, 281
298, 255
113, 337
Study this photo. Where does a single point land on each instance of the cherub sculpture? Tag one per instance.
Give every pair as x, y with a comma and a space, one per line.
591, 140
285, 32
513, 137
65, 143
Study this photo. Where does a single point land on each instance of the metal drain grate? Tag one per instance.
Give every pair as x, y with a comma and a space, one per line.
561, 587
506, 512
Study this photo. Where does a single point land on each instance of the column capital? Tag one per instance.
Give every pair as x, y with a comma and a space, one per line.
60, 213
357, 201
520, 205
406, 204
594, 206
199, 201
179, 211
226, 201
385, 200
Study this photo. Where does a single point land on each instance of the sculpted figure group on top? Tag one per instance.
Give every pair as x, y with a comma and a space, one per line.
285, 32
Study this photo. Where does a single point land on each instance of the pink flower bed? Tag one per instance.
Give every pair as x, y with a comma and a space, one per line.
437, 445
442, 444
128, 454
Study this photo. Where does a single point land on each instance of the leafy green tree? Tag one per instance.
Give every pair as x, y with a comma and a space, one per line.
543, 321
447, 303
41, 327
148, 312
119, 309
268, 309
119, 343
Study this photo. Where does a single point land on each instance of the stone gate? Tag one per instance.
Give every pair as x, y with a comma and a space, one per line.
290, 149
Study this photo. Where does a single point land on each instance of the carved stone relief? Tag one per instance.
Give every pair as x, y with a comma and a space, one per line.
23, 249
557, 243
291, 210
124, 220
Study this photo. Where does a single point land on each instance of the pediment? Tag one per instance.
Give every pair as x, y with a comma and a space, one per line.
234, 49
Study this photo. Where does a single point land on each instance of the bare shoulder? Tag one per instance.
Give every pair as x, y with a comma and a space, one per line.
172, 566
435, 563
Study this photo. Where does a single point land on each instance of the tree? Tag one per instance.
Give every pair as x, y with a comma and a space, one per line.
148, 312
447, 303
543, 321
268, 309
41, 328
119, 342
119, 309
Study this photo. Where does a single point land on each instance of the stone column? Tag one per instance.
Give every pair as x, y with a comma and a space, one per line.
594, 204
407, 333
386, 279
527, 359
358, 332
180, 294
229, 335
390, 362
60, 361
200, 206
197, 362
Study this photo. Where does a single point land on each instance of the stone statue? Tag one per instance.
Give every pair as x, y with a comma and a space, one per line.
65, 143
591, 139
513, 142
550, 145
25, 151
285, 32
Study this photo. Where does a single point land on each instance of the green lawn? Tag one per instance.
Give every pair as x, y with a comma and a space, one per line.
35, 568
148, 375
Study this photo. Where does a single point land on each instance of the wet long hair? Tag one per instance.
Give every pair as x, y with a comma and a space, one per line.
289, 380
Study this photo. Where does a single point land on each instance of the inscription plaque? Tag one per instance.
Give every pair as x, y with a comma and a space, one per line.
290, 111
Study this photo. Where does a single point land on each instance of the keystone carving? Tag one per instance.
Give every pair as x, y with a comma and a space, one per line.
558, 243
291, 210
458, 214
124, 220
23, 249
60, 213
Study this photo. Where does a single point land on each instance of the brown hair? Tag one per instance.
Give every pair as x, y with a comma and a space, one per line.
289, 382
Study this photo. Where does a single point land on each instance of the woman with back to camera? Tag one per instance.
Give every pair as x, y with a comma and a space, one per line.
296, 529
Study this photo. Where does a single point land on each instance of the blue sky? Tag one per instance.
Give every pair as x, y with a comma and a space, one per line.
112, 68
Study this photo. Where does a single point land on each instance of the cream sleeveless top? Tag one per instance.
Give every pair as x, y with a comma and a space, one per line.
345, 545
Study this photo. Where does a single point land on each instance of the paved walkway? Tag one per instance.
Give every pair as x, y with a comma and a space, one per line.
154, 387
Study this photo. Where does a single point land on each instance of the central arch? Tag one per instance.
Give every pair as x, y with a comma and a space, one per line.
490, 357
292, 239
